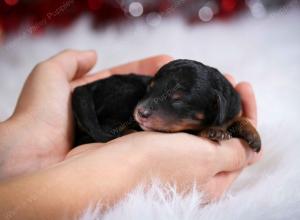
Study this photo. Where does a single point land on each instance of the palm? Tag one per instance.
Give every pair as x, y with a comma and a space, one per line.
46, 98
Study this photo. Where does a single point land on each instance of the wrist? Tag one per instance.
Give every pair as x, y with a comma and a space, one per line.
100, 176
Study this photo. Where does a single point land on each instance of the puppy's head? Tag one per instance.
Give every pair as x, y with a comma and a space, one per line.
179, 98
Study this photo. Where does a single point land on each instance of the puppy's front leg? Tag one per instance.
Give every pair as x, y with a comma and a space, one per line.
215, 134
242, 128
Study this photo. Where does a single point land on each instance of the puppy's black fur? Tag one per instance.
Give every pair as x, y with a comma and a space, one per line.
103, 109
190, 89
184, 95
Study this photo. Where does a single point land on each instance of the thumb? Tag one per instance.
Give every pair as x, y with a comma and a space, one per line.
73, 63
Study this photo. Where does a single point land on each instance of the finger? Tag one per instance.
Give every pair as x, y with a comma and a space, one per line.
148, 66
235, 154
220, 184
72, 63
255, 157
231, 79
232, 155
248, 101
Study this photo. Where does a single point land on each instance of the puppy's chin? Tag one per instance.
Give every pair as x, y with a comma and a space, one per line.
169, 128
146, 128
151, 128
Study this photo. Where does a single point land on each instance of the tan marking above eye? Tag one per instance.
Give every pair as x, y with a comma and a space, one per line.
199, 116
151, 84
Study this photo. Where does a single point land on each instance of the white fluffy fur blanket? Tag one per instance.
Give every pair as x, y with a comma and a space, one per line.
265, 52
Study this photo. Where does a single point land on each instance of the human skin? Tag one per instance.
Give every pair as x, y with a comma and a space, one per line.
35, 156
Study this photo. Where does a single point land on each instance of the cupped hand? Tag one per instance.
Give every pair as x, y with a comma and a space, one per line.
40, 132
221, 182
184, 159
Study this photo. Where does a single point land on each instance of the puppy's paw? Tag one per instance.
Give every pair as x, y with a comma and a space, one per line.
215, 134
254, 141
242, 128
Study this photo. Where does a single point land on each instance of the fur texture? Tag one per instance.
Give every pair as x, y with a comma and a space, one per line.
103, 109
264, 52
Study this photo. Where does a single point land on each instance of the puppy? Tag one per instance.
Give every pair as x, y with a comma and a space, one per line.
184, 95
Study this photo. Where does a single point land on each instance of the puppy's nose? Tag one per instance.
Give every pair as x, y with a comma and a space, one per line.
144, 113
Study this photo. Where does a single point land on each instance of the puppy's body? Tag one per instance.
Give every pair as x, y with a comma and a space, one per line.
184, 95
103, 109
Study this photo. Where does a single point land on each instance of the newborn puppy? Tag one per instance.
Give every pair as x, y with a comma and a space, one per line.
184, 95
103, 110
188, 96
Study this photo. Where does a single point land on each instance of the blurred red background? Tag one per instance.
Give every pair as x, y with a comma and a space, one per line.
15, 14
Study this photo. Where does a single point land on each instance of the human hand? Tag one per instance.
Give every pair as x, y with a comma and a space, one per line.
40, 131
183, 159
43, 112
109, 170
221, 182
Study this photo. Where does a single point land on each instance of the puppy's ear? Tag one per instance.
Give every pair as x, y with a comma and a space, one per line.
219, 107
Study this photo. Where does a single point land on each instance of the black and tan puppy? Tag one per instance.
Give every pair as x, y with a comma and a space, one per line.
184, 95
